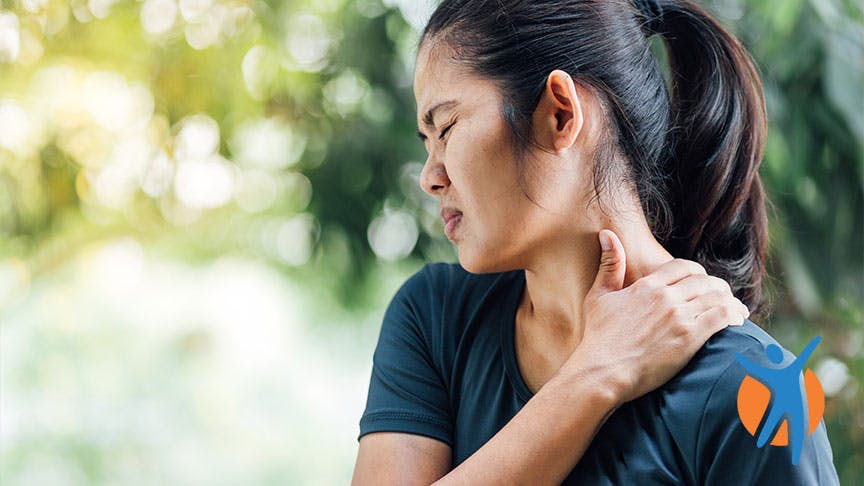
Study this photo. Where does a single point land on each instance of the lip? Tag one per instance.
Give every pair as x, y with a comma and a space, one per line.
448, 212
451, 224
451, 217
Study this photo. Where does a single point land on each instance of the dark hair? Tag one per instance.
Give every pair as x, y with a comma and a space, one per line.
693, 159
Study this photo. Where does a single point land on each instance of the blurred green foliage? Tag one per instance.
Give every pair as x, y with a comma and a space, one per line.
285, 132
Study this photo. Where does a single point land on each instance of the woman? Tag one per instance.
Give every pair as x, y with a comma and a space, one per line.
543, 357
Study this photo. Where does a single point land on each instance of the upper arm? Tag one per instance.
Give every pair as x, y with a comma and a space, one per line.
399, 458
407, 426
727, 453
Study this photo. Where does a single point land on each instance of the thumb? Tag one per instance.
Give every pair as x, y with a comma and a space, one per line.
613, 262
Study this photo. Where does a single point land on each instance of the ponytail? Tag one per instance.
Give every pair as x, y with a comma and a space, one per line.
718, 115
692, 155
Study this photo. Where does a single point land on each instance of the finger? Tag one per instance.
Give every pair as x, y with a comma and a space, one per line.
709, 300
613, 262
719, 317
692, 286
674, 270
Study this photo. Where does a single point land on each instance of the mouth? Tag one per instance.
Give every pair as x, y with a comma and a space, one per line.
451, 223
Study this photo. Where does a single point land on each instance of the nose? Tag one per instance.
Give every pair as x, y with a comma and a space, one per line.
433, 177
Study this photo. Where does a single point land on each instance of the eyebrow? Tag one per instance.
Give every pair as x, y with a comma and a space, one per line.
428, 118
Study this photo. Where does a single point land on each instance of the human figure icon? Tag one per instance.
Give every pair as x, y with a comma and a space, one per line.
785, 387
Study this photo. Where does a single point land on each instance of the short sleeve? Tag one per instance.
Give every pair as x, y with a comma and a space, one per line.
727, 453
406, 389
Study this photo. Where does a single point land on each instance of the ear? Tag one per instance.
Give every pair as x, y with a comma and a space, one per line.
558, 117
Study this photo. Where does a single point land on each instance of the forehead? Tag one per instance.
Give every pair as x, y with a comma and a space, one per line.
438, 78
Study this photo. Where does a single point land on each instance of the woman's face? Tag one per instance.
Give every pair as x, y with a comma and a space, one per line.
472, 168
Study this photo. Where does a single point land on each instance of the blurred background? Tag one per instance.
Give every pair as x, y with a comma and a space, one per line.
206, 205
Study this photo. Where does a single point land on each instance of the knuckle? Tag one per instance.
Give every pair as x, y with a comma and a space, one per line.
697, 268
729, 313
651, 283
671, 314
685, 333
609, 258
666, 294
645, 284
690, 266
678, 313
680, 262
718, 295
723, 284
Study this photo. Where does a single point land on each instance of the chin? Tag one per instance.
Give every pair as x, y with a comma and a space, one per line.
481, 263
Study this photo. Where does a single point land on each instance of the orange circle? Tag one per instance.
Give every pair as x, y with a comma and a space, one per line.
815, 399
753, 398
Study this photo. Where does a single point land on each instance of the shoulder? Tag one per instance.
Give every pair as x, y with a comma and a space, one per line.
714, 374
701, 412
714, 365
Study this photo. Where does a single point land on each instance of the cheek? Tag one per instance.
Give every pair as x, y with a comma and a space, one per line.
480, 166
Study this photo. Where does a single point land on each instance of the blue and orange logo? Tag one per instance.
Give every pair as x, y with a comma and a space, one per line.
795, 412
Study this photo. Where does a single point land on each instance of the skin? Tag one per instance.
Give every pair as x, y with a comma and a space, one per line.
554, 239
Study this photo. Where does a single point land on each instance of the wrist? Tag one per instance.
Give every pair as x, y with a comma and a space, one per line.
601, 382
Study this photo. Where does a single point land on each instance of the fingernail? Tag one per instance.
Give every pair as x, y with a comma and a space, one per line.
605, 243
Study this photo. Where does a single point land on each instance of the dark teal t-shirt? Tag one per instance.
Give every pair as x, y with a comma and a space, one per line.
445, 367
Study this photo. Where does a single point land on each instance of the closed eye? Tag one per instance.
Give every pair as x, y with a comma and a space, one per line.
444, 132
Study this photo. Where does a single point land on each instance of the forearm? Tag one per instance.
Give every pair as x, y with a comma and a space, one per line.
544, 441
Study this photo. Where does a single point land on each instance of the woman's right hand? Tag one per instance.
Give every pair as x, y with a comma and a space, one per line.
637, 338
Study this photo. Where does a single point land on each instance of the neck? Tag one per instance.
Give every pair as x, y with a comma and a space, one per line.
558, 278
